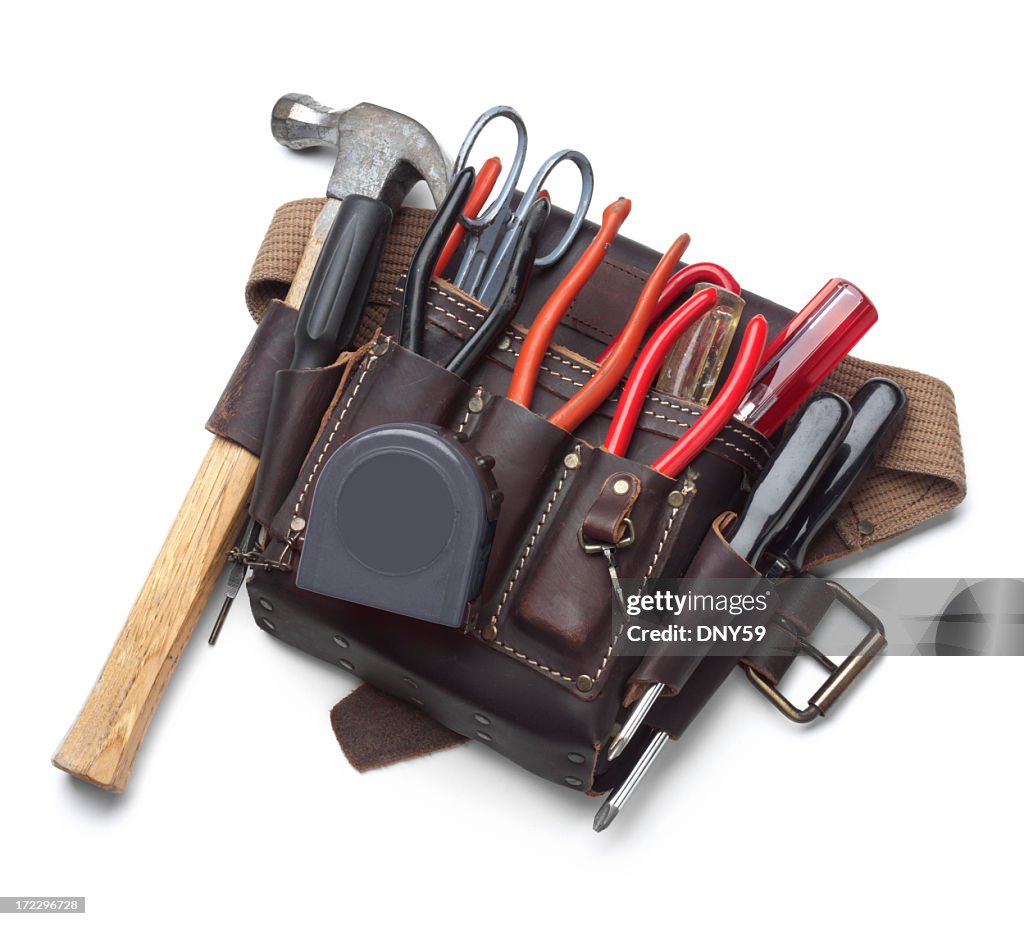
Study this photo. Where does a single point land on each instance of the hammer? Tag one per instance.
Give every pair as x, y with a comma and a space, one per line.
381, 155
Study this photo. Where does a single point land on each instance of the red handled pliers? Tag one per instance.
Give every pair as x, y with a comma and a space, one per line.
686, 278
683, 452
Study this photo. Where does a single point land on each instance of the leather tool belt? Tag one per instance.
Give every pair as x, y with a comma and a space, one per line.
537, 671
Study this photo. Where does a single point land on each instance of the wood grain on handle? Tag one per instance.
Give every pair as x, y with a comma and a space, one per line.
101, 745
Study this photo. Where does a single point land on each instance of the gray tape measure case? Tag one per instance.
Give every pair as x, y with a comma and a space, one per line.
402, 519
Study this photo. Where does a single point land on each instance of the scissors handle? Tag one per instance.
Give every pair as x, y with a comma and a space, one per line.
497, 267
586, 195
494, 236
503, 201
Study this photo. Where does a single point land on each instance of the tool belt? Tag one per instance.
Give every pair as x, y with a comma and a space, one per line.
536, 671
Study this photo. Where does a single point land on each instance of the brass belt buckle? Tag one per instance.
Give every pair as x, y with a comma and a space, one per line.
841, 676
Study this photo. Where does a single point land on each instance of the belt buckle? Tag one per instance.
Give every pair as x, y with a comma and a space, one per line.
840, 676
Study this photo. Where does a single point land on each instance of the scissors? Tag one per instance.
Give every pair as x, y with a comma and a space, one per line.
494, 235
509, 294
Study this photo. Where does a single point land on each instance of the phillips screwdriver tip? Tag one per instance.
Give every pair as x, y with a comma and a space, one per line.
603, 818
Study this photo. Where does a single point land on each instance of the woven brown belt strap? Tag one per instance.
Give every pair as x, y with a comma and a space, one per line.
920, 476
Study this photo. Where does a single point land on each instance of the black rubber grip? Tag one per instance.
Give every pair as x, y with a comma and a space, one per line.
510, 296
877, 407
340, 283
791, 474
427, 254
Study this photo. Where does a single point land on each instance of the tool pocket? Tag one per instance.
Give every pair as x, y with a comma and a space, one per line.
551, 606
383, 384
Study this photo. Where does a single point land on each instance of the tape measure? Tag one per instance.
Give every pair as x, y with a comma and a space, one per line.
402, 519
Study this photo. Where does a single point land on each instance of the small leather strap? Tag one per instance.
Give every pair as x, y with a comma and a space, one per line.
605, 521
663, 663
803, 602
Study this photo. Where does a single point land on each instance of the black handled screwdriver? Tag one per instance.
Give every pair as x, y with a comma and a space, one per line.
877, 407
783, 486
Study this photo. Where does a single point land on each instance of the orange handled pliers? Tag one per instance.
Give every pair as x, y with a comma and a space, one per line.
524, 376
577, 409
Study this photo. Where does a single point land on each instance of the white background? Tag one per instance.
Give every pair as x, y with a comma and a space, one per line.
794, 142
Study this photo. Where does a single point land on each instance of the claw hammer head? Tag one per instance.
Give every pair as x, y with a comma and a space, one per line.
381, 154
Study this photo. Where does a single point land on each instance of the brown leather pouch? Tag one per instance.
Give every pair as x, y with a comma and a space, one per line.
538, 670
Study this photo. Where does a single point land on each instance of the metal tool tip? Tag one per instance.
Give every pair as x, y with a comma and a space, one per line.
217, 624
615, 747
603, 818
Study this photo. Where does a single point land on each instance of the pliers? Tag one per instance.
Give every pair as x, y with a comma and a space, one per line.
679, 283
659, 292
683, 452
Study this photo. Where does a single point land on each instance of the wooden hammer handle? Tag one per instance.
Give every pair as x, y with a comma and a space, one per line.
103, 741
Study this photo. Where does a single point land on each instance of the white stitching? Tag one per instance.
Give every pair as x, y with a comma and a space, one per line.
529, 546
618, 633
472, 310
434, 288
647, 575
366, 369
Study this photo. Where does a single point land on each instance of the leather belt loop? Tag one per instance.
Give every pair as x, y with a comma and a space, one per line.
605, 522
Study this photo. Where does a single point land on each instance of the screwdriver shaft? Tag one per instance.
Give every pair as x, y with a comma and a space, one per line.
609, 810
236, 575
636, 717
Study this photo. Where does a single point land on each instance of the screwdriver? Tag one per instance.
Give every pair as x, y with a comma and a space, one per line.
878, 407
805, 352
783, 486
695, 363
236, 574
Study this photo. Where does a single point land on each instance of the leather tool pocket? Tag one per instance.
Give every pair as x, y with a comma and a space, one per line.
383, 384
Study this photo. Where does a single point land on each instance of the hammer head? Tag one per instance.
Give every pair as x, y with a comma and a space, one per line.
381, 154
